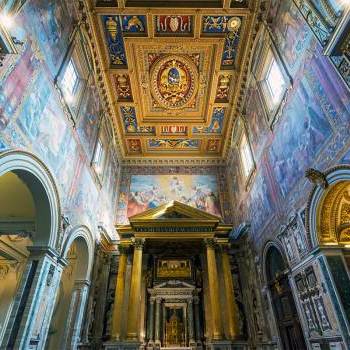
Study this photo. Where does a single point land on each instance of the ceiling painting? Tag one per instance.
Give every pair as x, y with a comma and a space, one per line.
169, 25
216, 124
174, 144
123, 88
174, 75
133, 25
128, 114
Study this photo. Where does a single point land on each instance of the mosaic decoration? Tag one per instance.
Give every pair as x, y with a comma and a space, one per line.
223, 88
173, 24
134, 145
128, 114
174, 143
174, 130
173, 81
115, 43
133, 24
150, 191
216, 124
123, 88
213, 145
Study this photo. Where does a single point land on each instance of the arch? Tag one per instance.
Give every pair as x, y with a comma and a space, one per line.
265, 256
323, 225
283, 304
34, 173
84, 239
78, 249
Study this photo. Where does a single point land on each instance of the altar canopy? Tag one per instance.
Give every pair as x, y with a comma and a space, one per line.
175, 251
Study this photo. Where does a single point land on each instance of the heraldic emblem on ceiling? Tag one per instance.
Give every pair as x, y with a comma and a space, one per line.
174, 81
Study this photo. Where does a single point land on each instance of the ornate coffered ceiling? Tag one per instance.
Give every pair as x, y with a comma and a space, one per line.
174, 74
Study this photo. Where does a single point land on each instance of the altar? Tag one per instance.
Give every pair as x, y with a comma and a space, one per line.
173, 262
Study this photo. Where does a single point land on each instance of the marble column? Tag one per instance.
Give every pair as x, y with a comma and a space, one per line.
150, 321
190, 322
213, 289
119, 294
135, 292
157, 321
197, 321
76, 314
231, 307
33, 306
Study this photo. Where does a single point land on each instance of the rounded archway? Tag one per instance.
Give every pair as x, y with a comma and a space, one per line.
40, 183
328, 210
72, 291
29, 216
283, 303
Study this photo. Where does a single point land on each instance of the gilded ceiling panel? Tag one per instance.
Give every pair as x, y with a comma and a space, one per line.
173, 75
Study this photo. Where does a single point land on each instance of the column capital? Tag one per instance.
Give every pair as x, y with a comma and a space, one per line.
196, 299
158, 300
190, 301
138, 243
123, 250
210, 243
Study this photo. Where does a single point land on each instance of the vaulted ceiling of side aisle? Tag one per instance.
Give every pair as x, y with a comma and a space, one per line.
175, 72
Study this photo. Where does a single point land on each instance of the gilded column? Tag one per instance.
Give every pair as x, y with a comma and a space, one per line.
213, 289
197, 320
190, 322
157, 321
135, 292
231, 307
119, 294
150, 321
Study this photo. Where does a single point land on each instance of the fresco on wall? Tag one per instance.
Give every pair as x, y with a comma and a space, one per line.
199, 191
16, 84
257, 124
51, 24
261, 200
292, 32
298, 139
89, 119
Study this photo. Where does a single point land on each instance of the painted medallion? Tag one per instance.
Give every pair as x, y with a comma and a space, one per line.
174, 81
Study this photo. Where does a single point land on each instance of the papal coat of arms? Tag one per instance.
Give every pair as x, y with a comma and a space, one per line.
174, 81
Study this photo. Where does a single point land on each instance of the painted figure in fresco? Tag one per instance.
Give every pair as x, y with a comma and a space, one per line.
176, 186
211, 204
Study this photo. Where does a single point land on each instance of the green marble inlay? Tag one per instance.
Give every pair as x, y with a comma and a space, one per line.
341, 280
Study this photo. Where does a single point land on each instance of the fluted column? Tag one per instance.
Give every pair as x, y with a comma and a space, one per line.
157, 321
150, 321
231, 307
197, 320
119, 294
213, 289
190, 322
135, 292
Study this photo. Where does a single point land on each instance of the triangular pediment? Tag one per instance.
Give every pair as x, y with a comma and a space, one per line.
174, 284
174, 211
